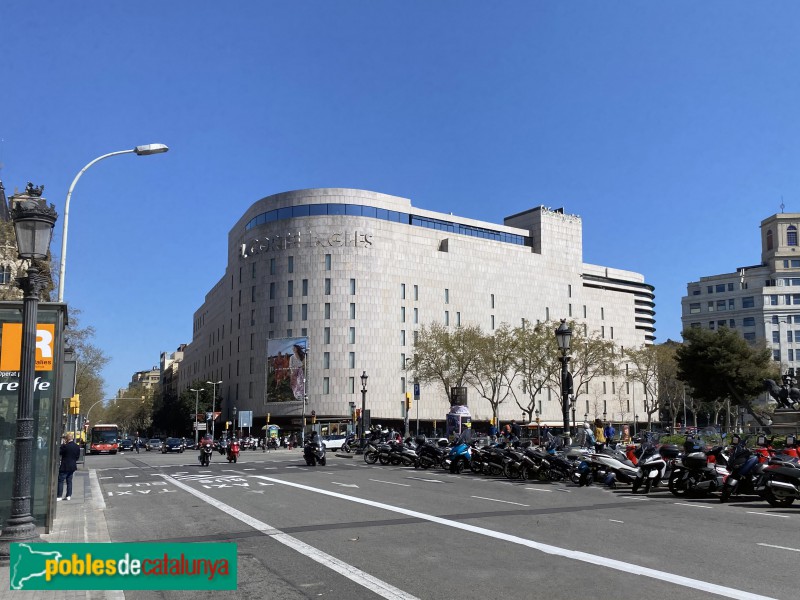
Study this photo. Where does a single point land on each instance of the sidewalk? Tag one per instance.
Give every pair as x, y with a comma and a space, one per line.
81, 519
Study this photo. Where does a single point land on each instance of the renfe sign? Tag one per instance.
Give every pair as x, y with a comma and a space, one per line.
11, 346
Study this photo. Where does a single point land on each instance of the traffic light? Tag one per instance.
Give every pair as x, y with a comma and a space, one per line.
408, 401
227, 424
268, 414
358, 414
75, 404
313, 417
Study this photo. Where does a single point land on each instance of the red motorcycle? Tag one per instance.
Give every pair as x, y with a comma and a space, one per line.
233, 451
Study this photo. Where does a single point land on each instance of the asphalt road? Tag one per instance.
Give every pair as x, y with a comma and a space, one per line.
352, 530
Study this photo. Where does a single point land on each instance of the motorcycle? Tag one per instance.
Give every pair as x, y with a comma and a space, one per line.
779, 483
206, 450
699, 473
652, 467
314, 452
614, 462
460, 456
349, 442
430, 454
233, 452
745, 471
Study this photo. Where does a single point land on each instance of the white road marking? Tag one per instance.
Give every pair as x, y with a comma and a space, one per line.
391, 482
353, 485
106, 477
539, 490
253, 469
428, 480
750, 512
615, 521
381, 588
131, 475
601, 561
693, 505
779, 547
496, 500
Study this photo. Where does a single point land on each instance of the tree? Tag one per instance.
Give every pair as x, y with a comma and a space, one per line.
444, 356
492, 371
535, 361
644, 370
721, 364
90, 362
670, 388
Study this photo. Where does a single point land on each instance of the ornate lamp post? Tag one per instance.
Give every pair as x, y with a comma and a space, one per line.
214, 385
33, 224
563, 337
364, 378
196, 392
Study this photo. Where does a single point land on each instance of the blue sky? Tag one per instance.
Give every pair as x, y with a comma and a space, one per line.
670, 127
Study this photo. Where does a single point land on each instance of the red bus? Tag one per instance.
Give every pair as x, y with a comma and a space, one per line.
104, 439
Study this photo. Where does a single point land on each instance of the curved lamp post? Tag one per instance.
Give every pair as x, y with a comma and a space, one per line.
213, 404
563, 337
33, 225
144, 150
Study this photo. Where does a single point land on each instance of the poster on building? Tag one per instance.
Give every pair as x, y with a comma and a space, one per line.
286, 369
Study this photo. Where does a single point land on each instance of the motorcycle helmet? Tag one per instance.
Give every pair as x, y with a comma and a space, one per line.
420, 440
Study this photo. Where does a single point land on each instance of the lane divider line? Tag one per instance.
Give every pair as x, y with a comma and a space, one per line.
600, 561
779, 547
378, 586
496, 500
750, 512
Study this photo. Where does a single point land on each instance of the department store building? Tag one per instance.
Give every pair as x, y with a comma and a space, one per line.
356, 274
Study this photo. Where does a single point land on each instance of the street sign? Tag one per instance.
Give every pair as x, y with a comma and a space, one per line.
209, 416
200, 426
416, 391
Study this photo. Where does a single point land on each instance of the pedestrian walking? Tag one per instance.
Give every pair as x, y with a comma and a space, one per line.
137, 442
599, 435
516, 430
70, 453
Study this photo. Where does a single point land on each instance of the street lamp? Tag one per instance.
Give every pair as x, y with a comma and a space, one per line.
563, 337
145, 150
196, 392
635, 420
364, 378
33, 225
538, 430
214, 385
235, 434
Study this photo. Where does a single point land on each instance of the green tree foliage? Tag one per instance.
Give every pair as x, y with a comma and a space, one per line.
721, 364
643, 368
492, 372
535, 361
174, 415
445, 355
90, 363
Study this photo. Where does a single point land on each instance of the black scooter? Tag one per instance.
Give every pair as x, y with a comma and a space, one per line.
314, 452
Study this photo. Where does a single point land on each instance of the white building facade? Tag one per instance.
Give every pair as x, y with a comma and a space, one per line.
761, 301
358, 273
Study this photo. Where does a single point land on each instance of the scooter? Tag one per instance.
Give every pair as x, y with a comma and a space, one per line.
652, 468
206, 450
233, 452
608, 462
699, 473
314, 452
745, 471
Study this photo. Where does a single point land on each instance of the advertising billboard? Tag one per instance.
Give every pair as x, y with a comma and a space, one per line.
286, 369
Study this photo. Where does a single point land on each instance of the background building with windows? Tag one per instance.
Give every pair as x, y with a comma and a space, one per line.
357, 273
761, 301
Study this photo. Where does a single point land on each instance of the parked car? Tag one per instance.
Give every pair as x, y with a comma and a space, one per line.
153, 444
189, 445
334, 442
125, 445
172, 445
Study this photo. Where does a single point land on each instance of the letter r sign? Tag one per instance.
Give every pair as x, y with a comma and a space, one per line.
11, 346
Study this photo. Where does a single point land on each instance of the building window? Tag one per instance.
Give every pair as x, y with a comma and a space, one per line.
352, 310
304, 332
326, 335
402, 291
791, 236
748, 302
352, 336
721, 304
403, 361
289, 333
447, 317
305, 287
402, 385
402, 314
352, 287
710, 289
730, 287
272, 266
750, 336
769, 241
271, 314
351, 385
403, 337
749, 322
720, 288
416, 292
351, 360
252, 271
492, 321
326, 360
710, 306
776, 337
773, 300
731, 304
602, 313
458, 319
327, 262
416, 316
326, 385
776, 355
446, 296
492, 301
291, 264
694, 308
304, 312
272, 290
327, 310
289, 312
290, 289
327, 286
612, 333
